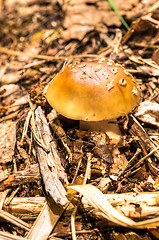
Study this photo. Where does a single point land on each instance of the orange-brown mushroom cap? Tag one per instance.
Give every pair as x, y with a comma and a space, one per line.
93, 91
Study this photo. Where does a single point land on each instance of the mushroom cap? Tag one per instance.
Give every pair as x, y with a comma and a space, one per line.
93, 91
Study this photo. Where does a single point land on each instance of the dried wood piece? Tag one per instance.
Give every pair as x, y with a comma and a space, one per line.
9, 217
139, 212
7, 141
25, 208
30, 174
14, 220
137, 206
46, 221
131, 203
8, 236
149, 198
50, 159
12, 195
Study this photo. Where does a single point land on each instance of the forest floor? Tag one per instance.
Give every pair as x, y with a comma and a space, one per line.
56, 180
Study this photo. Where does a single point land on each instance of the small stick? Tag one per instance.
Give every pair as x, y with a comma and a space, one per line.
50, 159
46, 57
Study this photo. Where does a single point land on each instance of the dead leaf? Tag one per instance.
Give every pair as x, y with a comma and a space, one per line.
7, 141
9, 78
99, 201
78, 22
148, 112
8, 89
155, 56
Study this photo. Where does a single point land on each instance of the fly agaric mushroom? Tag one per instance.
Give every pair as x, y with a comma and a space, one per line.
93, 92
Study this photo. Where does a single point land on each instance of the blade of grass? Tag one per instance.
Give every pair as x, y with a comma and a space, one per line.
114, 7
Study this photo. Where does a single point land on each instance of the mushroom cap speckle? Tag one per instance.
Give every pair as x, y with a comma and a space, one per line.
93, 91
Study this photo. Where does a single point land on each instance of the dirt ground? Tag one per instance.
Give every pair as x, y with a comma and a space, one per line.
58, 181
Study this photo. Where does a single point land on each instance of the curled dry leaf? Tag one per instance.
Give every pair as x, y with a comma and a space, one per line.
148, 112
99, 201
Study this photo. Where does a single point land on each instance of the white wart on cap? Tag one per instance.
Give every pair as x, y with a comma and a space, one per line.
93, 91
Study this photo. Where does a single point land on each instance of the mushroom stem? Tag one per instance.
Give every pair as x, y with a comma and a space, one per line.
111, 129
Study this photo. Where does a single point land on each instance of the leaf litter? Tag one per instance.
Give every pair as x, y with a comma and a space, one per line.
37, 40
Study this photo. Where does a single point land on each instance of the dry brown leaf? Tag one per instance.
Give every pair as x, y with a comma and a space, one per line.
8, 89
78, 22
155, 56
9, 78
19, 102
7, 141
148, 112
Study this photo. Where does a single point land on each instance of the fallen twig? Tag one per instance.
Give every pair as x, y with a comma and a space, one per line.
48, 160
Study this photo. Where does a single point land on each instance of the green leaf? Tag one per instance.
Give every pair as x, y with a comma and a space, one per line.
114, 7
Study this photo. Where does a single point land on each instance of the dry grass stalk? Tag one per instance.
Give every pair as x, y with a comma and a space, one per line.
14, 220
8, 236
46, 221
46, 57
